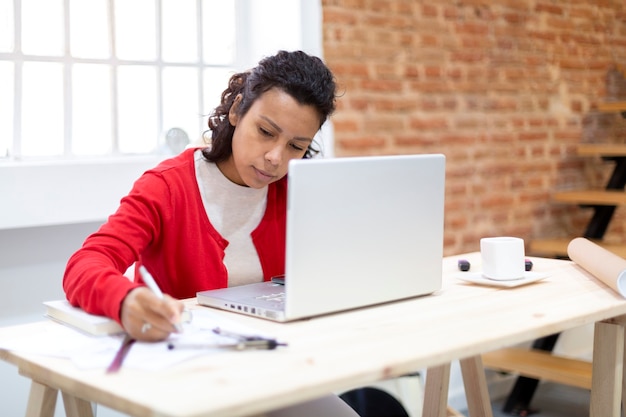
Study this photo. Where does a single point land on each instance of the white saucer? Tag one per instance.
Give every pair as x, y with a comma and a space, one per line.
478, 278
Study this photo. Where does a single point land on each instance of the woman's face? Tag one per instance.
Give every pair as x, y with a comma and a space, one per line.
275, 130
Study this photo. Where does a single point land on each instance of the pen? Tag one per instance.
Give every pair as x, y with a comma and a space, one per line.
264, 344
121, 354
151, 283
242, 342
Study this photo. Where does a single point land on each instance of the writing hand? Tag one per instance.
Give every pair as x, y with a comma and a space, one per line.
147, 317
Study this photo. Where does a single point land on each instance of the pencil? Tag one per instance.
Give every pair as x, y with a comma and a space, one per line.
151, 283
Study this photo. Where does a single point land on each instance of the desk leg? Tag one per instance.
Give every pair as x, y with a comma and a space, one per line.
475, 383
624, 376
606, 378
436, 391
42, 400
76, 407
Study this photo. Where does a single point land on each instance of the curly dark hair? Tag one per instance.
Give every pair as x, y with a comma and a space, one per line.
304, 77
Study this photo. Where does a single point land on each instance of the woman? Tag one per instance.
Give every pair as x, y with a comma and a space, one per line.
210, 217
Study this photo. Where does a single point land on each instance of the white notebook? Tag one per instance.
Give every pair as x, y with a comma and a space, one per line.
63, 312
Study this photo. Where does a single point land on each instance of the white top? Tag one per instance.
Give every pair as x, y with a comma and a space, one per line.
235, 211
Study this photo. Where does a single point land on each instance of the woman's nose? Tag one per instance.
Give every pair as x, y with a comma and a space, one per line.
274, 155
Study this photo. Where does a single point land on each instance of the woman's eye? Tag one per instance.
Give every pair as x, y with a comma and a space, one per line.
265, 132
297, 147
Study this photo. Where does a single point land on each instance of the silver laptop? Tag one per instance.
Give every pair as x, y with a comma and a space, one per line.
360, 231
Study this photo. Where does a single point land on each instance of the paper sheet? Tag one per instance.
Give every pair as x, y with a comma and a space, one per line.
89, 352
599, 262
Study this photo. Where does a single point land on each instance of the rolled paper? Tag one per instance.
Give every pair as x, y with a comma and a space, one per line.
599, 262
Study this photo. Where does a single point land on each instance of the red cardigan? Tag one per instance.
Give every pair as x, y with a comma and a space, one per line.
162, 224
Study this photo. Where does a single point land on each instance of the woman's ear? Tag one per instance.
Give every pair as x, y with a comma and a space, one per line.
233, 117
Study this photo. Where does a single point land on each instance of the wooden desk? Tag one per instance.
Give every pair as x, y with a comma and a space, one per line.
340, 351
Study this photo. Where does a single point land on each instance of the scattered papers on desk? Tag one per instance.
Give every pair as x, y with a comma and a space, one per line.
89, 352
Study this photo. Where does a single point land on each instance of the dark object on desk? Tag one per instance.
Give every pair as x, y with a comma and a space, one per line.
250, 342
528, 265
258, 343
241, 342
464, 265
121, 354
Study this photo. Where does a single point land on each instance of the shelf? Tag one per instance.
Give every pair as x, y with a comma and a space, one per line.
601, 149
592, 197
540, 365
557, 247
612, 106
451, 412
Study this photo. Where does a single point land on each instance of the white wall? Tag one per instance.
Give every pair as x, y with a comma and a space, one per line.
32, 261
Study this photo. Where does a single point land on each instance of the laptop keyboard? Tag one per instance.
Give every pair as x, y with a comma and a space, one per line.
278, 297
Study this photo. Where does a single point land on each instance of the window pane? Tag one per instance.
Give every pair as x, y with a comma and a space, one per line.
42, 109
218, 32
274, 27
6, 26
42, 27
137, 109
6, 108
135, 29
89, 29
180, 100
215, 82
179, 41
91, 110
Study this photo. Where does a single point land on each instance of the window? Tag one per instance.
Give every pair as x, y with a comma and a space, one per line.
87, 88
110, 77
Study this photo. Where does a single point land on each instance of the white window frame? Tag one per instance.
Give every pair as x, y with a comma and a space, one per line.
44, 193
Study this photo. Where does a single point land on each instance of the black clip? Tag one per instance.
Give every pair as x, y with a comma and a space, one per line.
528, 265
249, 342
464, 265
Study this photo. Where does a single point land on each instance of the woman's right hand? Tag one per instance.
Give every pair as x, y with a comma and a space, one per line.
147, 317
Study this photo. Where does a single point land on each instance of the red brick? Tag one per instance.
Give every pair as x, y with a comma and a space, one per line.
386, 86
548, 8
500, 87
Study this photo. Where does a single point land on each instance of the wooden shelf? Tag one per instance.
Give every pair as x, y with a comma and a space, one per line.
601, 149
592, 197
612, 106
451, 412
558, 247
540, 365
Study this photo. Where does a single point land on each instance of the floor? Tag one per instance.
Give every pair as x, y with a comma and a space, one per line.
552, 400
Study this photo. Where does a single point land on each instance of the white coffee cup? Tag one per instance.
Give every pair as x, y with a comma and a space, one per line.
503, 258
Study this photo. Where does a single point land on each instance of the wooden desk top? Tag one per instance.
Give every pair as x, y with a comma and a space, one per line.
341, 351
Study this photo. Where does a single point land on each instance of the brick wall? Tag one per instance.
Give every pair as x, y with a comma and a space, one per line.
501, 87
